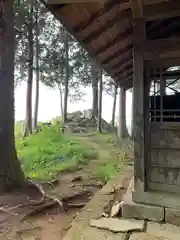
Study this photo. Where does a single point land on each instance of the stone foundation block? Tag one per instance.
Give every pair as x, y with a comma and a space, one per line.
141, 211
172, 216
131, 209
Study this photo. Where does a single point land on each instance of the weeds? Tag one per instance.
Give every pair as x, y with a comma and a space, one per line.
45, 154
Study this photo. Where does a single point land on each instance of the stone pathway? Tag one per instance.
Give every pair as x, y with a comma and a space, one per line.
156, 231
89, 224
81, 229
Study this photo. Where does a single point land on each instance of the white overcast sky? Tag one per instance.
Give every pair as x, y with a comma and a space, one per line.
49, 105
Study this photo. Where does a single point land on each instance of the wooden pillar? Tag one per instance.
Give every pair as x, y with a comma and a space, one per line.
132, 115
138, 105
122, 129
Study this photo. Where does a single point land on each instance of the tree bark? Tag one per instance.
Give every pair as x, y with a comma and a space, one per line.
37, 68
122, 130
28, 120
11, 174
66, 89
114, 104
94, 91
99, 124
61, 98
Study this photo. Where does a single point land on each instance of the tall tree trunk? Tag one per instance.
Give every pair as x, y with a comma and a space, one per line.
11, 174
122, 129
61, 97
36, 107
114, 104
99, 125
28, 120
94, 91
66, 89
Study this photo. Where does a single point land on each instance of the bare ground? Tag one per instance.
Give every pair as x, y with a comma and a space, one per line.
22, 218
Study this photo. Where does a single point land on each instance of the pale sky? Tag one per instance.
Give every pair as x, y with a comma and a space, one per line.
49, 105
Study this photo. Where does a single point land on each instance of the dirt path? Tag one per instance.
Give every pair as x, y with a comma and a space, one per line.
74, 189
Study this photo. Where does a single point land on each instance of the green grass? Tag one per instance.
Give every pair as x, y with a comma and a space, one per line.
49, 152
45, 154
117, 153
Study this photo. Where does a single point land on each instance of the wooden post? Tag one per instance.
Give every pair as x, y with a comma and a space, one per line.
138, 104
132, 116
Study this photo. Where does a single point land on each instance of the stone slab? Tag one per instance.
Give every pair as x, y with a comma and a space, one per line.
131, 209
172, 216
90, 233
146, 236
117, 225
164, 231
156, 231
81, 230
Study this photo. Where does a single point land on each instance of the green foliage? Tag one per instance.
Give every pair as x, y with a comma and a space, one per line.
45, 154
120, 153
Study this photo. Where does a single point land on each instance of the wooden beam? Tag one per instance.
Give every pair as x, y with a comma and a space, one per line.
122, 67
125, 81
121, 51
160, 44
123, 70
117, 18
166, 75
165, 63
120, 37
120, 60
137, 8
100, 14
161, 10
124, 74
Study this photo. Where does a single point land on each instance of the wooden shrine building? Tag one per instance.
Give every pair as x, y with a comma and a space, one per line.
137, 42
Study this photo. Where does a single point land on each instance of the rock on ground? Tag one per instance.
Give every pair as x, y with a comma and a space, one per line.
117, 225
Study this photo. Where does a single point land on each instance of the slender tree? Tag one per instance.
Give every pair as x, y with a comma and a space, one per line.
11, 174
99, 125
94, 72
66, 88
114, 104
28, 120
37, 32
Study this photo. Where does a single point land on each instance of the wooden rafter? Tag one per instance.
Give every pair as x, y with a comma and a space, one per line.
117, 18
121, 60
124, 74
160, 45
121, 51
96, 16
125, 81
120, 37
122, 66
161, 10
122, 70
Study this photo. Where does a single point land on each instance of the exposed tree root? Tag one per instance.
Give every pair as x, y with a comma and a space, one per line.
8, 211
